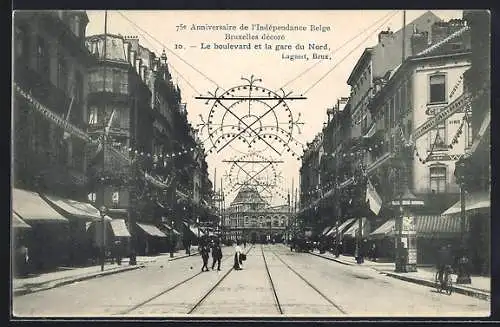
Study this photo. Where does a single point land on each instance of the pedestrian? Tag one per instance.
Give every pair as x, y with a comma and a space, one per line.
118, 251
237, 253
216, 256
245, 243
204, 255
374, 251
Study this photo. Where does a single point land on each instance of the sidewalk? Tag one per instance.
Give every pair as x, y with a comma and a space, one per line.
42, 282
480, 286
68, 275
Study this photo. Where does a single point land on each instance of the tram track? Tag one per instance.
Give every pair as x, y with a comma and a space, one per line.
335, 305
273, 288
183, 282
212, 289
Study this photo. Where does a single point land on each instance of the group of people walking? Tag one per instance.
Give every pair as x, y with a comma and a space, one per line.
205, 248
214, 246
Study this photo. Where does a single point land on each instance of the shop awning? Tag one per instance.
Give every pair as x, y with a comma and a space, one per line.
353, 230
342, 227
426, 225
33, 208
473, 202
151, 230
435, 224
72, 208
119, 228
171, 229
195, 230
387, 229
17, 222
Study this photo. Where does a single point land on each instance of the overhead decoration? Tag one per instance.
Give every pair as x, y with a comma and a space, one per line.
251, 116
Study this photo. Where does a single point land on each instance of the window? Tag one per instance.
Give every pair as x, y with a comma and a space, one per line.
76, 26
93, 113
42, 58
437, 137
438, 179
393, 112
62, 73
92, 197
387, 115
437, 89
409, 95
78, 91
470, 137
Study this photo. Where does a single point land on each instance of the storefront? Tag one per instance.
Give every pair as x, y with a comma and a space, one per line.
83, 245
478, 218
150, 239
48, 239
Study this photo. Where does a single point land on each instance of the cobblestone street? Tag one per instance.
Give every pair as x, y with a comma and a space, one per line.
302, 284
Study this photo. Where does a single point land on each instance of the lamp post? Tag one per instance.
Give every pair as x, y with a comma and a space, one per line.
360, 180
102, 211
463, 271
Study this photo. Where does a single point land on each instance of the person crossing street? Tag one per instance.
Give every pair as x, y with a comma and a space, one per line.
204, 251
216, 255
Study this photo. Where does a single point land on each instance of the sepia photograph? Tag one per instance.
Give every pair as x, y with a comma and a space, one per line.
250, 163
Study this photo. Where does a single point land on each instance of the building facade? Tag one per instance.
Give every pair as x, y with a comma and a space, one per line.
50, 61
249, 217
390, 101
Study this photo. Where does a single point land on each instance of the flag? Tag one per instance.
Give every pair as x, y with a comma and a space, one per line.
373, 199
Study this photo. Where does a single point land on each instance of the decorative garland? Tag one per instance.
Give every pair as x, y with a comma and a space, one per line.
58, 120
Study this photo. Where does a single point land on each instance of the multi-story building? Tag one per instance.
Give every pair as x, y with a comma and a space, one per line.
49, 139
50, 62
477, 172
249, 217
422, 87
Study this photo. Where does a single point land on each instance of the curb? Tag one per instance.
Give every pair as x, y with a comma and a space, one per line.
472, 293
469, 292
21, 292
332, 259
184, 256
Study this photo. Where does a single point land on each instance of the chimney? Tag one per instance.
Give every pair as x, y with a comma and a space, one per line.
419, 42
384, 35
439, 31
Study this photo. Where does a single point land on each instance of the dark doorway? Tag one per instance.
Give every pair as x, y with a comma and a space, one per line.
253, 237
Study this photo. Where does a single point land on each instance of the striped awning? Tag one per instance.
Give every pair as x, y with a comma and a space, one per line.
353, 230
342, 227
387, 229
17, 222
435, 224
119, 228
151, 230
426, 225
72, 208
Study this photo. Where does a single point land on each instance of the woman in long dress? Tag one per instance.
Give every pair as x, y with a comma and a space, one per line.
237, 252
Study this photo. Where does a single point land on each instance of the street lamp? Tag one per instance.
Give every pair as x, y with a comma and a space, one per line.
102, 211
463, 271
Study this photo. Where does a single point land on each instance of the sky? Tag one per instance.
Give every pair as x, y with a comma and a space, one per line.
197, 71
